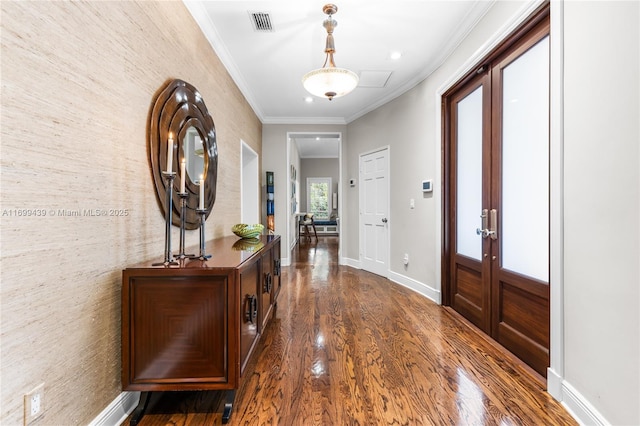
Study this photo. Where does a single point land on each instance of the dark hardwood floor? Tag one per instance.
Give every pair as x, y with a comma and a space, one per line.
347, 347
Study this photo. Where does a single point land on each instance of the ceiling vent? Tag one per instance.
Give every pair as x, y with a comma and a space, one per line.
261, 22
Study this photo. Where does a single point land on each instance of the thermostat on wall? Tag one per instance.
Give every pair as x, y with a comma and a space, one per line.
427, 185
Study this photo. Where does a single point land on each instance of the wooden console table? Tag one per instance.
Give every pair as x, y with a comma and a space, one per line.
194, 326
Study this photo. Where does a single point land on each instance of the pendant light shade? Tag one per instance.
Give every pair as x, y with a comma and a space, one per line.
329, 81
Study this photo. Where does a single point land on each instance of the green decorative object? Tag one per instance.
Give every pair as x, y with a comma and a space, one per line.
243, 230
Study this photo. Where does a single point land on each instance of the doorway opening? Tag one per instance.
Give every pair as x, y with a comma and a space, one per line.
312, 155
249, 184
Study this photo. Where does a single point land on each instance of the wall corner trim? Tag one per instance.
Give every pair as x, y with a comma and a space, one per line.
554, 384
118, 411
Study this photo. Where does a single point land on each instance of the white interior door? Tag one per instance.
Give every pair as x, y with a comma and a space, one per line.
374, 212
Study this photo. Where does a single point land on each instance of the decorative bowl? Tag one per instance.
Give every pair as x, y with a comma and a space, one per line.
243, 230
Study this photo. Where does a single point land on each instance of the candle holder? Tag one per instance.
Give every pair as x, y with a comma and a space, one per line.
202, 213
183, 215
168, 257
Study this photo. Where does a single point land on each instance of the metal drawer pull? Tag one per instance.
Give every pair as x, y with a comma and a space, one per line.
268, 283
252, 313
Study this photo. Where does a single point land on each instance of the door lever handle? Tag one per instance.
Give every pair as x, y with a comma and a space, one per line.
484, 231
489, 224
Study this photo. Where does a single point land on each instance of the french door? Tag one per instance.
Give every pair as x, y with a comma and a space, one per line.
497, 205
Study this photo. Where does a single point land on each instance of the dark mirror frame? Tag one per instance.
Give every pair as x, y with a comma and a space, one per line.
178, 107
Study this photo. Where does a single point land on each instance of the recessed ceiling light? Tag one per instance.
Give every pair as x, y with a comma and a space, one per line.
395, 55
308, 99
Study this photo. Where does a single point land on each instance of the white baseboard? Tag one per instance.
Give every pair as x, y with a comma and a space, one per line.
354, 263
420, 288
580, 408
118, 411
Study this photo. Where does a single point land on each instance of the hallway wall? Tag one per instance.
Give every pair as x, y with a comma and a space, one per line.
78, 83
602, 206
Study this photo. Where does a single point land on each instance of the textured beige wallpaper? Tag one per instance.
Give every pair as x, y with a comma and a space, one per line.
78, 82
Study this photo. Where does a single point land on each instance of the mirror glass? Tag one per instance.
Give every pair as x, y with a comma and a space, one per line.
194, 154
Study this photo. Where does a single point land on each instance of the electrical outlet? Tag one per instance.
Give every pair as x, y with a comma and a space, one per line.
34, 404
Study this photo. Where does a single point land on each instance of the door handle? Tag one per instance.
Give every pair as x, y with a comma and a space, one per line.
484, 231
488, 229
384, 220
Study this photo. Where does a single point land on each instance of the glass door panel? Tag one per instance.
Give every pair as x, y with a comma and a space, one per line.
525, 163
469, 175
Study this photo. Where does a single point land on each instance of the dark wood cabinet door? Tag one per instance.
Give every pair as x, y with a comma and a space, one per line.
277, 272
249, 310
176, 331
266, 287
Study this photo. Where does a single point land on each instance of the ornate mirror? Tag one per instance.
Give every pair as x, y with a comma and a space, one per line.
179, 112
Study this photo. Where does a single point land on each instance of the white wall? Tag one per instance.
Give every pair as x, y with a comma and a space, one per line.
602, 214
294, 161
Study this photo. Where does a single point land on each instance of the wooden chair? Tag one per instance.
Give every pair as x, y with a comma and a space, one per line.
307, 221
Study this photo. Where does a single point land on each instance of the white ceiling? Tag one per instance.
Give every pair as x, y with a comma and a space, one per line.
268, 66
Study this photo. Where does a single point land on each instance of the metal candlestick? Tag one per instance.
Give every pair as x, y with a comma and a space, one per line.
168, 257
202, 213
183, 215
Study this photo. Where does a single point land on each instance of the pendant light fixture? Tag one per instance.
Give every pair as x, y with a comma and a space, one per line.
329, 81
